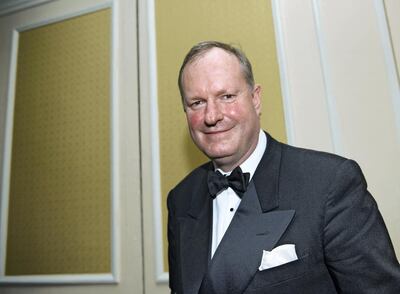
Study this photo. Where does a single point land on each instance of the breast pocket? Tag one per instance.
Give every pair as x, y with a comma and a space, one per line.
282, 273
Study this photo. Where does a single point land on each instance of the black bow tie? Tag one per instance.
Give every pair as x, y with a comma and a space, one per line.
237, 180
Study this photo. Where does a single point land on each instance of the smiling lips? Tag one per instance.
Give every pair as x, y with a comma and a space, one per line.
216, 132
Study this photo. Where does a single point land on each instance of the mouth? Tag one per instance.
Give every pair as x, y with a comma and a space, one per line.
216, 132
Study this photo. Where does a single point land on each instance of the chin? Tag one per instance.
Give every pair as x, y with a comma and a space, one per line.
219, 156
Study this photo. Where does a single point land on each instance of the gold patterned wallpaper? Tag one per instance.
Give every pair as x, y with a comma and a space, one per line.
59, 208
181, 24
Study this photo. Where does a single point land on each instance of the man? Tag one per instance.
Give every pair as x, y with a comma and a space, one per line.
262, 216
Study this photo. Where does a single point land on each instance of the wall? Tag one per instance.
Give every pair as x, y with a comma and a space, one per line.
124, 272
342, 87
339, 64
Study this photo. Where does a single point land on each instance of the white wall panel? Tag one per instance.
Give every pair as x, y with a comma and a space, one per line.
342, 79
389, 23
393, 17
360, 82
302, 79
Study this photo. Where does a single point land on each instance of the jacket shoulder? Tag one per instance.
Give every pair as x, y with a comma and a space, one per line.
195, 176
195, 182
303, 157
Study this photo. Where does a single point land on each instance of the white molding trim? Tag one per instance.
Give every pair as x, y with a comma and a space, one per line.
60, 279
283, 71
4, 205
161, 275
51, 20
334, 121
391, 68
115, 144
12, 6
102, 278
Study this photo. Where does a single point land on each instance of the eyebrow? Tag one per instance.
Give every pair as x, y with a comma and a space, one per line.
233, 91
219, 93
222, 91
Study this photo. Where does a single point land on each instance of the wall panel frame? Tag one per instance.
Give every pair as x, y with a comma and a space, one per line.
151, 98
113, 275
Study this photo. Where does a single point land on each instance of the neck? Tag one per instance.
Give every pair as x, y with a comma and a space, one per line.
227, 164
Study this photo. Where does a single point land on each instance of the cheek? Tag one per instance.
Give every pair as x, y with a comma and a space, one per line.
236, 113
194, 119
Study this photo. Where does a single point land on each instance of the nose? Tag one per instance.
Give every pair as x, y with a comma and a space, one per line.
213, 113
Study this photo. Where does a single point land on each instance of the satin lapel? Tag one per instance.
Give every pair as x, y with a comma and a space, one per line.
266, 176
195, 240
238, 256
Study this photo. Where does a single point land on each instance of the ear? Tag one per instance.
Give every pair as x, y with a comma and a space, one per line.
256, 98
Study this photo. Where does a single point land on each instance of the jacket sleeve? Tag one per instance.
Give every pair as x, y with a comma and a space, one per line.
358, 250
171, 234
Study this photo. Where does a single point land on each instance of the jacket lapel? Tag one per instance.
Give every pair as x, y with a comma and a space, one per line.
254, 228
266, 176
239, 254
195, 238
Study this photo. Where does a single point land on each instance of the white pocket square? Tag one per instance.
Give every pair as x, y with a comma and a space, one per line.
278, 256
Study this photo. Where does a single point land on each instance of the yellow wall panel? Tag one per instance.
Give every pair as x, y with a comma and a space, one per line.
181, 24
59, 208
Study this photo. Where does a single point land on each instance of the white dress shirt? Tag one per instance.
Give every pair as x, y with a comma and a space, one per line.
227, 202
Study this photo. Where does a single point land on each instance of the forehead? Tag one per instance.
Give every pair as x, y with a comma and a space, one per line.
215, 58
212, 69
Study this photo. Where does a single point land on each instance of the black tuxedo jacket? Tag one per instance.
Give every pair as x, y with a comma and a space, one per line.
317, 201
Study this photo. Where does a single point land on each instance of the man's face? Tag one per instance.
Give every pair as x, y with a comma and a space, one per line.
221, 110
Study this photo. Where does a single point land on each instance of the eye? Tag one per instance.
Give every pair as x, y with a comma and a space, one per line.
228, 96
196, 104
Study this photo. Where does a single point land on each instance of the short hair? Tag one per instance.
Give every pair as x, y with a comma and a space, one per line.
201, 48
